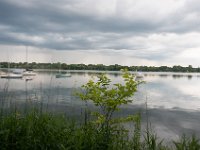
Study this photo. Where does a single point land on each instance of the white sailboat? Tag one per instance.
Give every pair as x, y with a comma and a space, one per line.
28, 72
11, 75
138, 75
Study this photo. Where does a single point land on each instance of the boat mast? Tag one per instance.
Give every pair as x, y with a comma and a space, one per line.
8, 69
26, 58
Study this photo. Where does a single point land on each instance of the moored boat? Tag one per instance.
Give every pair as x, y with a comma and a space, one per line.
29, 73
138, 76
11, 76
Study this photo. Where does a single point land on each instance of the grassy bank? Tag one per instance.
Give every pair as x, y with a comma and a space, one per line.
46, 131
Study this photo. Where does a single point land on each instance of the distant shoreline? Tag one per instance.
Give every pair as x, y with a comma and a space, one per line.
97, 67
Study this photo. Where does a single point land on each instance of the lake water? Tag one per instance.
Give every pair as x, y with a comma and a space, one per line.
173, 99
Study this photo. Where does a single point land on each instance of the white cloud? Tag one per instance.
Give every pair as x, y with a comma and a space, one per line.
153, 32
18, 54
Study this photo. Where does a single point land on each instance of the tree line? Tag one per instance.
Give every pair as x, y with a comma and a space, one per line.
116, 67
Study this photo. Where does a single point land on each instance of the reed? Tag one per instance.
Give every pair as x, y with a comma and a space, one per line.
48, 131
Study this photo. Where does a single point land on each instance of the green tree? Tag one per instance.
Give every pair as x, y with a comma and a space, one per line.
108, 98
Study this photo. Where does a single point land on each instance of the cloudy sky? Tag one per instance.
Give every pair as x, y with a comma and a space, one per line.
127, 32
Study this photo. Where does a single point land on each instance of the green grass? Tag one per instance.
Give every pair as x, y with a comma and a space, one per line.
46, 131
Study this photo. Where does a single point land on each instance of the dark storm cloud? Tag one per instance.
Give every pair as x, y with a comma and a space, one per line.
42, 18
83, 25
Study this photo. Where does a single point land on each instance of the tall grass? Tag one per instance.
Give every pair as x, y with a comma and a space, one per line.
48, 131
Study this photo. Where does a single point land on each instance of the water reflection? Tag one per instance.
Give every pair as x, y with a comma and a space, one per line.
165, 89
175, 76
163, 75
189, 77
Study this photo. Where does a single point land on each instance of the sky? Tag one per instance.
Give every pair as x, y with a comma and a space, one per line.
125, 32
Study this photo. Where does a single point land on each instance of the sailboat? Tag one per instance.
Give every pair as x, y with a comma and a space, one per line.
28, 72
11, 75
138, 75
